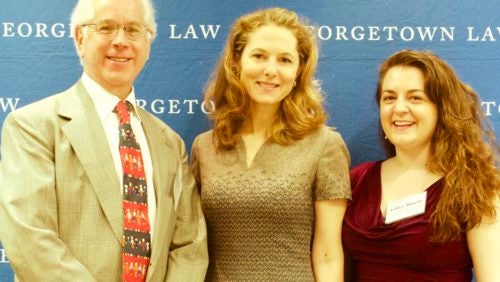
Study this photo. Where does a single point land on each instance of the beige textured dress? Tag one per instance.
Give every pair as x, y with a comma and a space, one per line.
260, 218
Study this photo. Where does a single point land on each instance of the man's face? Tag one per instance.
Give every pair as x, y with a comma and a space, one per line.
114, 60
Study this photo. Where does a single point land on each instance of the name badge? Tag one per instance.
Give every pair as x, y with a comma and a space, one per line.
406, 207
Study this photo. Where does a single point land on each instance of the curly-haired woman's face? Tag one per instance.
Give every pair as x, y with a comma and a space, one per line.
407, 115
269, 65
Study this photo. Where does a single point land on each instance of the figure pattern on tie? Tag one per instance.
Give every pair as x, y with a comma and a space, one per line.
136, 236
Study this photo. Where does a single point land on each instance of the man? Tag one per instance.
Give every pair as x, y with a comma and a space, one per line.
95, 191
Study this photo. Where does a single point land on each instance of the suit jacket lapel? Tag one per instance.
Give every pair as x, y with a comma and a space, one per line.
86, 135
165, 162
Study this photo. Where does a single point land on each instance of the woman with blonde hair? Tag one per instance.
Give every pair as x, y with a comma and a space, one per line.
431, 210
274, 179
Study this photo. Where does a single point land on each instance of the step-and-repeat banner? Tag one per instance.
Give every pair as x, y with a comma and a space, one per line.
37, 56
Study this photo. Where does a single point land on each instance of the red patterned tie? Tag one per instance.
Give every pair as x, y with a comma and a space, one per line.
136, 237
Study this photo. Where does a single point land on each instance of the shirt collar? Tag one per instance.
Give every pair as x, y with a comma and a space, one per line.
104, 101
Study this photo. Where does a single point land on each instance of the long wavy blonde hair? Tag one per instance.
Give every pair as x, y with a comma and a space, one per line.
463, 147
300, 113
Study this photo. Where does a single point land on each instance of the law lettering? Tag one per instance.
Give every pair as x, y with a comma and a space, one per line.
192, 32
8, 104
489, 34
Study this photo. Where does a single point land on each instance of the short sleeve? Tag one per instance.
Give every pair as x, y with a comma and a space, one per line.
332, 176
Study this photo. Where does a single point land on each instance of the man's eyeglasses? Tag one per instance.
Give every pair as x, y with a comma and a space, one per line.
133, 31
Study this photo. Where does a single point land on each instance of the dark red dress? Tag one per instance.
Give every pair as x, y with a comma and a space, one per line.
399, 251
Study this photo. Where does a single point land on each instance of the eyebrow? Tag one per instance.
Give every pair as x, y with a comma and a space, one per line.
409, 91
113, 21
265, 51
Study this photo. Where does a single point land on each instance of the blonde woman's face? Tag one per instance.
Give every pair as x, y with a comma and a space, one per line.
269, 65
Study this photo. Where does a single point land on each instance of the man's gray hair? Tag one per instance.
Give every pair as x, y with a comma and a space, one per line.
84, 11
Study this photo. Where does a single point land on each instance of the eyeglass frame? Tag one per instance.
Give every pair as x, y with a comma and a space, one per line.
117, 27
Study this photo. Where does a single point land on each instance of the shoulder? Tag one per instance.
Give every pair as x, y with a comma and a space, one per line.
324, 144
329, 133
203, 141
325, 135
205, 137
39, 113
45, 106
153, 120
332, 141
334, 138
154, 124
364, 170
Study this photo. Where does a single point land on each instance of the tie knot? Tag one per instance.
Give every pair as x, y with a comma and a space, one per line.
123, 109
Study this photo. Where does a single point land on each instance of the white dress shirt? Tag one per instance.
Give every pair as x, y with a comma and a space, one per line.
104, 103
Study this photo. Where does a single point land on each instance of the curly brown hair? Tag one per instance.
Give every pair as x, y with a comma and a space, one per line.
463, 147
300, 113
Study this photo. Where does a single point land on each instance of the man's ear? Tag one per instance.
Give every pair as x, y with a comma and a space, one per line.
79, 38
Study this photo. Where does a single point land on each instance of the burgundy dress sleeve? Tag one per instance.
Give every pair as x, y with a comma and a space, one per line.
400, 251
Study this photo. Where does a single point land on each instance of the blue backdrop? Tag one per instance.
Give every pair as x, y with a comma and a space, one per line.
37, 57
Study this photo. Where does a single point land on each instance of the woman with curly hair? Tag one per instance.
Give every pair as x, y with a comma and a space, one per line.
274, 179
431, 210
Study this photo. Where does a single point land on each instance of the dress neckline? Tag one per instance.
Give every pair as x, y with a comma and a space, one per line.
378, 190
242, 152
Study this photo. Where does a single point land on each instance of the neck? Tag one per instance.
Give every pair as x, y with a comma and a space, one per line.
121, 93
261, 121
409, 169
412, 159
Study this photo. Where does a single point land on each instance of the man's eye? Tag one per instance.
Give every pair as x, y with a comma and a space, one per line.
106, 28
285, 60
133, 29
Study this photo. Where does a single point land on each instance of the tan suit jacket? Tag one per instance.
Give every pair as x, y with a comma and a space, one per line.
60, 200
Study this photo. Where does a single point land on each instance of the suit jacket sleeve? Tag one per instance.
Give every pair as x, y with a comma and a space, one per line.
188, 256
28, 203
